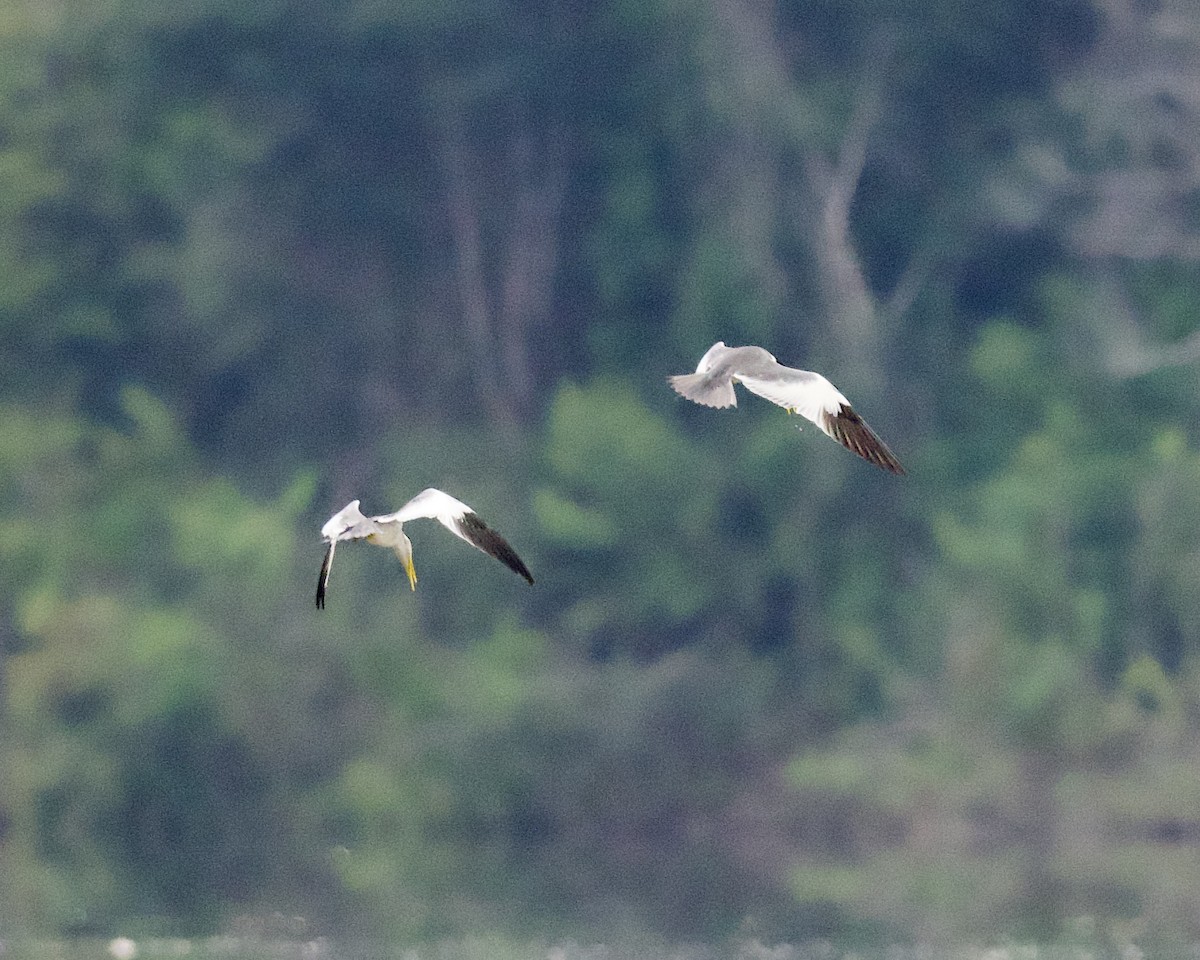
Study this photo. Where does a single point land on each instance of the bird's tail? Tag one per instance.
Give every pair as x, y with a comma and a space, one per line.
705, 389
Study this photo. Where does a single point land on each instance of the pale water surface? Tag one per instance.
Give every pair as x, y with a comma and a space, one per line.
231, 947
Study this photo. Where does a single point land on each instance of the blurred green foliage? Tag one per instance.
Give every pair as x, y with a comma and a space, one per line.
260, 259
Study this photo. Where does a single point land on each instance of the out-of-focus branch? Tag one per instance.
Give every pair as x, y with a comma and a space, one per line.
772, 116
1140, 88
527, 285
463, 208
504, 301
1127, 350
841, 180
833, 184
906, 290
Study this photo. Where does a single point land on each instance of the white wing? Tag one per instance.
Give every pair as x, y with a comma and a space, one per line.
463, 522
429, 504
809, 394
347, 524
815, 398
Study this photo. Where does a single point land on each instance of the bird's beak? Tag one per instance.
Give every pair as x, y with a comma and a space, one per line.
411, 571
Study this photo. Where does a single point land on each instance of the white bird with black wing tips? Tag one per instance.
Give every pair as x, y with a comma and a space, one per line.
799, 391
388, 531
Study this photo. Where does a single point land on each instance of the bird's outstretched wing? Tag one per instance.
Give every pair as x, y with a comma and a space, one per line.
323, 579
808, 394
463, 522
347, 524
815, 398
852, 432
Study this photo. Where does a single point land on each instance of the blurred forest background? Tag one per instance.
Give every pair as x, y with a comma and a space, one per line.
260, 258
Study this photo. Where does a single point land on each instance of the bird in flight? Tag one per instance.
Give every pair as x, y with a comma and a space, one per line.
798, 391
388, 531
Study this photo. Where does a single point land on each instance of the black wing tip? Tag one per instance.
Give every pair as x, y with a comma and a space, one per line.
852, 432
491, 543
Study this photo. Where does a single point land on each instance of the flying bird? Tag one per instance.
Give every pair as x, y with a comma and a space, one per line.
799, 391
388, 531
